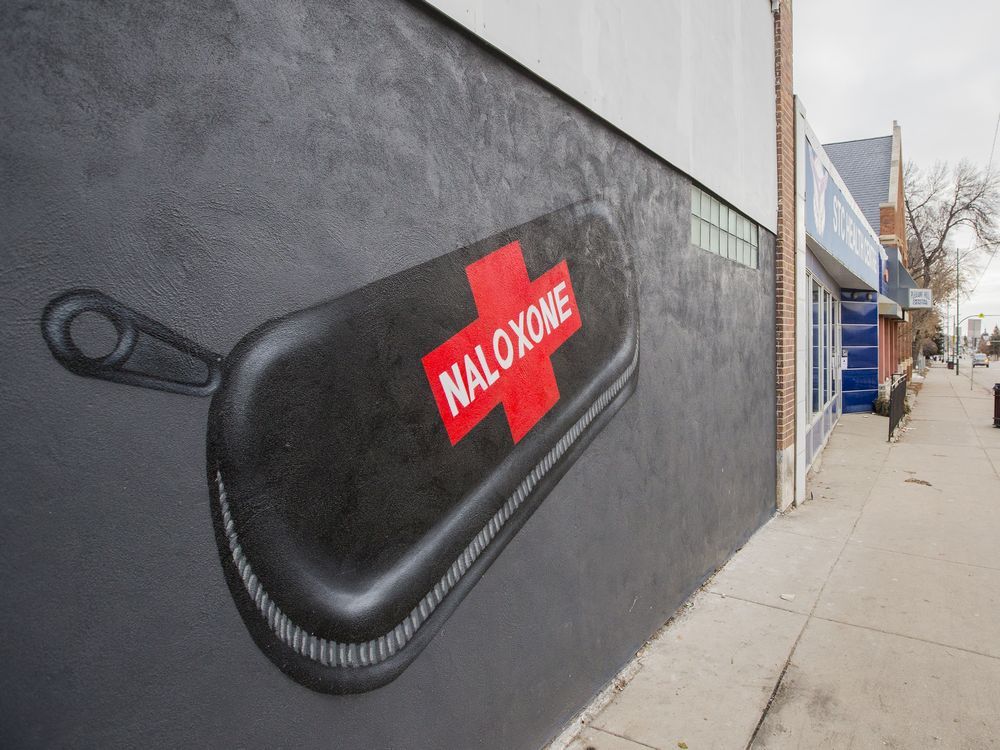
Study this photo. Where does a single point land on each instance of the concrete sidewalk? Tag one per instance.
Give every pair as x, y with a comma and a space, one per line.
867, 618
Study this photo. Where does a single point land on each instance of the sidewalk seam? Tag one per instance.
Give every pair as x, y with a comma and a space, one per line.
854, 625
810, 536
927, 557
760, 604
812, 610
908, 637
622, 737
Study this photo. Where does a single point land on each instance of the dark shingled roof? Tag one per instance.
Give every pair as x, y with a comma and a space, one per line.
865, 167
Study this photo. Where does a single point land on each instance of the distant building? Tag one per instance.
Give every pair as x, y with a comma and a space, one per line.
872, 168
975, 329
839, 271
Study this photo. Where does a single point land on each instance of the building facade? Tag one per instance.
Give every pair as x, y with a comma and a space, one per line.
839, 270
975, 334
872, 169
367, 384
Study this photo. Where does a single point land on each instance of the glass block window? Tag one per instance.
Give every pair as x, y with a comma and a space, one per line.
721, 229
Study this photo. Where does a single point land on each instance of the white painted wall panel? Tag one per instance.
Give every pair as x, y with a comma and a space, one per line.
692, 80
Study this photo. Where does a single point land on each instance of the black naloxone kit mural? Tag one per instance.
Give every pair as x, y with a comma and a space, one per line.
369, 457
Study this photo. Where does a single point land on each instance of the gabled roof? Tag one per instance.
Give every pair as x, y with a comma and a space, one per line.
865, 166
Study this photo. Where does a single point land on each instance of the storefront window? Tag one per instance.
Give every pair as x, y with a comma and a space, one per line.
824, 345
828, 342
837, 348
814, 349
721, 229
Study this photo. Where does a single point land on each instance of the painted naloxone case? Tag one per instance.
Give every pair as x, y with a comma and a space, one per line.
370, 456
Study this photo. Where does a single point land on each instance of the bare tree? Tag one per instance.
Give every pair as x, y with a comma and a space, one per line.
944, 206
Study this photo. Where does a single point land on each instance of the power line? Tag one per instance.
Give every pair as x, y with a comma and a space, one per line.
989, 165
981, 275
993, 147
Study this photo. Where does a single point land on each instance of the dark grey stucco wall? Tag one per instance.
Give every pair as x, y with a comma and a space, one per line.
217, 167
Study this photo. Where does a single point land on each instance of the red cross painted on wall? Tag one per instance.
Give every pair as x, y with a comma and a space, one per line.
502, 357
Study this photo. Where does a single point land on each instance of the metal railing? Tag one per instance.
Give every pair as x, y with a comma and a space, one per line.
897, 402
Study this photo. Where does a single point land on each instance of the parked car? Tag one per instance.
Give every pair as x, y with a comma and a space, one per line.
980, 360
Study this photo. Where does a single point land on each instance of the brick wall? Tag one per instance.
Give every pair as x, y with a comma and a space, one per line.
887, 222
784, 254
906, 328
892, 218
899, 219
892, 232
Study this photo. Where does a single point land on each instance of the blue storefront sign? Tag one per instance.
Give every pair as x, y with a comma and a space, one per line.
846, 245
834, 223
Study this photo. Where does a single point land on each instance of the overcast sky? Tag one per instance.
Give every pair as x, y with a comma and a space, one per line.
933, 66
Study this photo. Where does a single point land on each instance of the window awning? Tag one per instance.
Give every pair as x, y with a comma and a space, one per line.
888, 308
900, 282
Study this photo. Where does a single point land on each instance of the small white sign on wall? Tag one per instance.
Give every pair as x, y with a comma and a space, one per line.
921, 298
843, 362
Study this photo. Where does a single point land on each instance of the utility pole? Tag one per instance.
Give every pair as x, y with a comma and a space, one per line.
946, 338
958, 317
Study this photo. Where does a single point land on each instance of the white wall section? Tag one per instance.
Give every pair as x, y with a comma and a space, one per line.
692, 81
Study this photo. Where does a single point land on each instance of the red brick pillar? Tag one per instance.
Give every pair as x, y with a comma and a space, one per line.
784, 257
